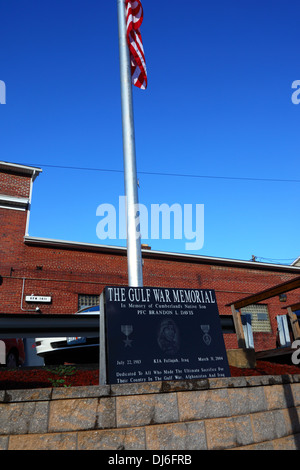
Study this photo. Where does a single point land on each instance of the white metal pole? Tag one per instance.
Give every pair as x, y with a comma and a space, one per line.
134, 254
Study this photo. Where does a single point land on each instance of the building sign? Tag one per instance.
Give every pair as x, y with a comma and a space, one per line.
152, 334
38, 298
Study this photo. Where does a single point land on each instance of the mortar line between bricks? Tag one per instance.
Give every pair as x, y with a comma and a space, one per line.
76, 440
48, 416
145, 439
205, 434
178, 410
229, 403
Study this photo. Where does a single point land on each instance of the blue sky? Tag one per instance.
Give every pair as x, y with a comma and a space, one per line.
218, 106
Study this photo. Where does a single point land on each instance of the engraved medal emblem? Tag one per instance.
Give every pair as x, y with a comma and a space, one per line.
127, 330
206, 337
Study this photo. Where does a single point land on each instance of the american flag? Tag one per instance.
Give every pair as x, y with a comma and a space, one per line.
134, 19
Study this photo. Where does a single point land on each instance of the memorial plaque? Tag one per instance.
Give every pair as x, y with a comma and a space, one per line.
151, 334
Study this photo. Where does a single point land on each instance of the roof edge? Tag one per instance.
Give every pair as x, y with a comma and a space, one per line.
18, 168
119, 250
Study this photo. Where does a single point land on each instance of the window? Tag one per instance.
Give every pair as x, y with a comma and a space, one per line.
260, 320
87, 300
262, 316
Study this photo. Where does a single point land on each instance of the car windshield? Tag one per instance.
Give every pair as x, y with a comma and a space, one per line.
94, 308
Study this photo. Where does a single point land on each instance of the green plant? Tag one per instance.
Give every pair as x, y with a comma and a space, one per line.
61, 372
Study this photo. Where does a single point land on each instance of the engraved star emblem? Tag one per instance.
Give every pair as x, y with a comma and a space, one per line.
127, 342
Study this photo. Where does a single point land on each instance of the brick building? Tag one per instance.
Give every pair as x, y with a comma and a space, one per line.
71, 274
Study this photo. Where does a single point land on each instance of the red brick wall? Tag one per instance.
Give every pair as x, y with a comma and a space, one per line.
14, 184
12, 221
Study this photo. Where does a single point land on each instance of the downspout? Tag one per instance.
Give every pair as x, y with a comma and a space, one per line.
23, 309
29, 203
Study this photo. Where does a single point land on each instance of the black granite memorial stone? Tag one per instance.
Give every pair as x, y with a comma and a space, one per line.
153, 334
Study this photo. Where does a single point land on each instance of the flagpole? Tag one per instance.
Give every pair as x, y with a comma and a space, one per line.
134, 252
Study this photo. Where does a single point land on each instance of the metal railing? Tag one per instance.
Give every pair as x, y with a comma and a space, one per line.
28, 325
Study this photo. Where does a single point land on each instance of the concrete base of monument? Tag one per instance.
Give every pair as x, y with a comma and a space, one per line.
242, 358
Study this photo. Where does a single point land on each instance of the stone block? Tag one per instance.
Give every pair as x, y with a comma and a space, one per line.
177, 436
116, 439
295, 392
23, 418
106, 413
291, 418
146, 409
90, 391
221, 433
279, 397
229, 432
287, 443
72, 415
39, 394
244, 434
136, 388
4, 442
203, 404
61, 441
184, 385
247, 400
268, 426
226, 382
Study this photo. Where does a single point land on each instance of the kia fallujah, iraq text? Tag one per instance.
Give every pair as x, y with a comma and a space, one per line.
146, 294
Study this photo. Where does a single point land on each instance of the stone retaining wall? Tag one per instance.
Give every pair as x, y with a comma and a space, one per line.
231, 413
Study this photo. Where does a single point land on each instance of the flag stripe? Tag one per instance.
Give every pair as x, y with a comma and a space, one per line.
134, 19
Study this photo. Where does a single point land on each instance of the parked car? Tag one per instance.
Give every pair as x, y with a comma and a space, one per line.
14, 352
78, 350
